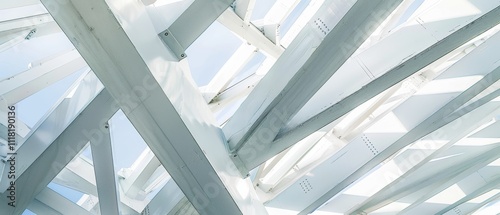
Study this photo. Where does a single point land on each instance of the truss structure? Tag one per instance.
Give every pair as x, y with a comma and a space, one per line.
317, 107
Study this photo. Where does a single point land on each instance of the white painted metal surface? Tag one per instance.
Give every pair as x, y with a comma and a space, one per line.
376, 107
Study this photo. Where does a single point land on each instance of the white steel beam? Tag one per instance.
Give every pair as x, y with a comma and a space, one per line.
310, 10
183, 141
21, 3
21, 86
25, 22
22, 130
244, 9
78, 175
191, 24
410, 86
437, 188
234, 92
244, 87
356, 122
261, 122
54, 125
480, 191
278, 12
299, 170
183, 207
286, 162
336, 167
14, 39
38, 207
90, 203
165, 200
58, 203
460, 68
337, 138
394, 18
454, 180
250, 33
57, 155
407, 68
437, 120
230, 69
268, 166
102, 154
412, 185
480, 205
273, 19
132, 196
131, 180
292, 60
43, 157
461, 128
459, 132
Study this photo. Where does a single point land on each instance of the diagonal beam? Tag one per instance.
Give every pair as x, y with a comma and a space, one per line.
358, 120
15, 36
244, 87
321, 65
166, 200
25, 22
230, 69
150, 91
21, 86
250, 33
394, 18
340, 137
480, 191
38, 207
485, 202
183, 207
57, 202
391, 192
300, 172
244, 9
311, 10
435, 190
54, 125
378, 199
292, 59
13, 39
21, 3
286, 162
89, 202
234, 93
437, 120
409, 67
59, 153
338, 167
273, 19
240, 58
178, 37
415, 82
477, 161
105, 172
22, 130
78, 175
142, 170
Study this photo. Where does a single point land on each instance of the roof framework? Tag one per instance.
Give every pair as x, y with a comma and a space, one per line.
321, 107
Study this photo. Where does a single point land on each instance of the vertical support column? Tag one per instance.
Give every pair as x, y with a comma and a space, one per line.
104, 172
